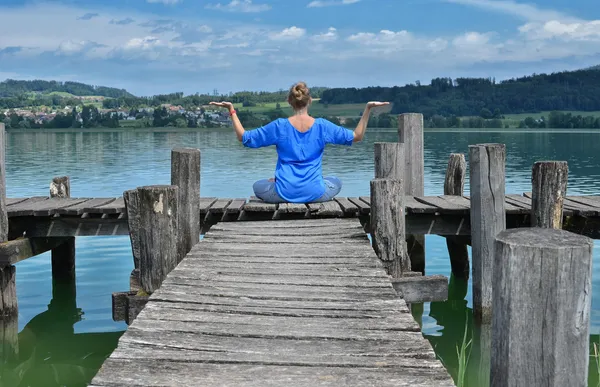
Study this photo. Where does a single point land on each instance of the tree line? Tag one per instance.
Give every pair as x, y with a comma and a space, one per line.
575, 90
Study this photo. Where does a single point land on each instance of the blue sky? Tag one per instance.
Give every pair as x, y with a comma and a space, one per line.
162, 46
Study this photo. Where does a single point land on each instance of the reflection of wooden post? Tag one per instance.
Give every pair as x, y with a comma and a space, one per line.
454, 184
546, 275
388, 225
63, 256
185, 174
158, 234
549, 183
488, 218
410, 133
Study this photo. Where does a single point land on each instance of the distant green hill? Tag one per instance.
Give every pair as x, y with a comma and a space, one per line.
14, 89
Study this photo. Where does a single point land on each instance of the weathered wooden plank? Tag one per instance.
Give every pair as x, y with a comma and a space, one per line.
445, 205
237, 259
347, 206
52, 206
422, 288
308, 232
363, 208
454, 186
326, 209
291, 224
579, 208
260, 206
587, 200
18, 250
235, 207
366, 199
115, 207
11, 201
291, 250
414, 206
293, 208
219, 206
64, 226
24, 208
539, 265
356, 237
83, 207
131, 371
205, 204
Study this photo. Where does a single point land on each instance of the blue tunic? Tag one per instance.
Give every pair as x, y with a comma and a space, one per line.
298, 175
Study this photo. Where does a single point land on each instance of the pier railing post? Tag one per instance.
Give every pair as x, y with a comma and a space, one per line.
158, 207
388, 225
454, 184
63, 256
488, 218
389, 160
410, 133
131, 199
185, 174
549, 188
542, 296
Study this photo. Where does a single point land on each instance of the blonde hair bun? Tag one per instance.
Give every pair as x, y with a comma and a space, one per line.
299, 96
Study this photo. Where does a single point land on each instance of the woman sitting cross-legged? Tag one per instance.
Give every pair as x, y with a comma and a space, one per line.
300, 141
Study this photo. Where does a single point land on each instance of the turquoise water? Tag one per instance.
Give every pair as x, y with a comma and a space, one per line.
63, 338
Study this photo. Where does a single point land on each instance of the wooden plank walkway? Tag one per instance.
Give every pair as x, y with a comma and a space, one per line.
232, 209
286, 303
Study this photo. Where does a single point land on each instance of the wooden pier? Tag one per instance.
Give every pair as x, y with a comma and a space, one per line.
297, 294
294, 303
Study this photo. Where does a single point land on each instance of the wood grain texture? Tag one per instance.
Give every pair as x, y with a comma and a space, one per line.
8, 292
388, 226
305, 313
549, 183
185, 174
132, 206
60, 187
389, 160
488, 218
430, 288
454, 184
544, 274
158, 234
3, 206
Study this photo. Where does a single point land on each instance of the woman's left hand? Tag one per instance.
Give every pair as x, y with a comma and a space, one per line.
374, 104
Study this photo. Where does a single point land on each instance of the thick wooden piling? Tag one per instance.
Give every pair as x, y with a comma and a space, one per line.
454, 184
410, 133
488, 218
185, 174
388, 225
131, 199
158, 234
542, 295
63, 256
549, 188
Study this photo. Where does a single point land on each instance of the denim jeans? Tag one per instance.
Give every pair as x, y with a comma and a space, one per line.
265, 190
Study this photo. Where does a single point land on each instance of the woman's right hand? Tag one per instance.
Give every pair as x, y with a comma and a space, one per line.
374, 104
226, 105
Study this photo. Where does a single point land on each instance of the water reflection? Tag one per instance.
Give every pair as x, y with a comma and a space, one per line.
48, 352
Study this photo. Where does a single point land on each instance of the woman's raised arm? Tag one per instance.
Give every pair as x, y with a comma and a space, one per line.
237, 125
359, 132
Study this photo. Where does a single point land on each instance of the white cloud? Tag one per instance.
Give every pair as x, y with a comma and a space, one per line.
240, 6
291, 33
165, 2
554, 29
330, 3
329, 36
524, 11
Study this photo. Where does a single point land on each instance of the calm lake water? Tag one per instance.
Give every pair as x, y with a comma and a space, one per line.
65, 333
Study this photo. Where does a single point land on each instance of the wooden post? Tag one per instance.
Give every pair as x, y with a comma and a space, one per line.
388, 225
488, 218
542, 293
131, 200
389, 160
185, 174
8, 289
63, 256
549, 183
158, 234
454, 184
410, 133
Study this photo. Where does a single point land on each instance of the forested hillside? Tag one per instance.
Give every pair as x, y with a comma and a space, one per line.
576, 90
13, 88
